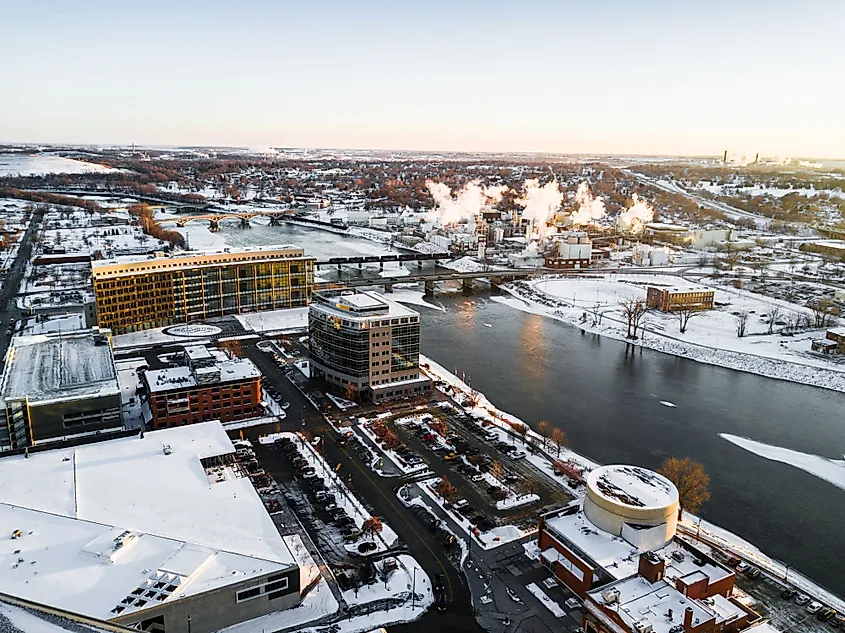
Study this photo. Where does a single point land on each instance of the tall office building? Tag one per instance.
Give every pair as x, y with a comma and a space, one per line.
364, 342
139, 293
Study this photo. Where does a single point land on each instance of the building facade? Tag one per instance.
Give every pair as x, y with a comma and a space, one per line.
138, 293
574, 249
204, 388
363, 343
671, 299
58, 387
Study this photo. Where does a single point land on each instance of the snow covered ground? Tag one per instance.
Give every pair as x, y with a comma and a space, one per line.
710, 336
285, 321
547, 602
35, 165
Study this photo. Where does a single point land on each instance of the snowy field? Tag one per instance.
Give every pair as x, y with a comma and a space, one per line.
710, 337
36, 165
110, 241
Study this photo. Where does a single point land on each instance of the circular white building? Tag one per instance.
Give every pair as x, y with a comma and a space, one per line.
637, 504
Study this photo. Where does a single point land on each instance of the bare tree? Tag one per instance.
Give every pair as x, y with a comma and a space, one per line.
773, 315
741, 323
823, 311
496, 470
543, 429
633, 308
684, 315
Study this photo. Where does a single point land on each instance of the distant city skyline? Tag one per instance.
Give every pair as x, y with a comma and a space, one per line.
653, 77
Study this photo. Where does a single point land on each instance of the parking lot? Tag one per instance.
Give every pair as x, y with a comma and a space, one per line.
494, 483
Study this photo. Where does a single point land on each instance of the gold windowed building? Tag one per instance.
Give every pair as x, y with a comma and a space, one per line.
139, 293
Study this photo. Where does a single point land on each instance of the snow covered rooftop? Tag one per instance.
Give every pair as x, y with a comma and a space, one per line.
184, 378
633, 486
361, 305
58, 367
225, 253
637, 600
101, 521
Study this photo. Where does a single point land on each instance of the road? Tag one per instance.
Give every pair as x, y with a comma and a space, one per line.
12, 284
380, 494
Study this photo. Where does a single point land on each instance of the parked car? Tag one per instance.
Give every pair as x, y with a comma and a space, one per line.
450, 457
517, 455
826, 615
366, 546
814, 607
752, 572
476, 477
742, 567
788, 593
802, 599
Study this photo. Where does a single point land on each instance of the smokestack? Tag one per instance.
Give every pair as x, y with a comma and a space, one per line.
756, 158
688, 619
725, 157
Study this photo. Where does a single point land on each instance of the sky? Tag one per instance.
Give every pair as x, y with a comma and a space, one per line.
689, 77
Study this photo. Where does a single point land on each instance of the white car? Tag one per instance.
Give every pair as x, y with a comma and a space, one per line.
742, 567
517, 455
814, 607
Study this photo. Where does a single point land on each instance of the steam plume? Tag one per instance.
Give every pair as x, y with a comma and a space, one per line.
589, 209
634, 219
466, 204
539, 203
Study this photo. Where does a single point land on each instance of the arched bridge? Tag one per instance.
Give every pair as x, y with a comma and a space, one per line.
214, 219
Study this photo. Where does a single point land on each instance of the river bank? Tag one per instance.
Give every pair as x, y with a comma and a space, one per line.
777, 359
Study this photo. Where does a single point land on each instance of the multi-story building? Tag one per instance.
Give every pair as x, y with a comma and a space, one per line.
162, 532
58, 387
617, 549
364, 343
138, 293
207, 387
683, 298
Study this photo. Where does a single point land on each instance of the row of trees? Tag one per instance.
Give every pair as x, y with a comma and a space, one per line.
152, 228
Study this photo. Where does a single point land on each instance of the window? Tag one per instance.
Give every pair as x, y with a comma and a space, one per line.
273, 587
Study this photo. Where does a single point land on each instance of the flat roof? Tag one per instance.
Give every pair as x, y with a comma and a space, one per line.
47, 367
175, 256
198, 352
99, 521
632, 486
620, 559
183, 378
641, 601
333, 304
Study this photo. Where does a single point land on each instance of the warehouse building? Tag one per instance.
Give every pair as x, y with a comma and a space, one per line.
160, 532
143, 292
366, 344
58, 387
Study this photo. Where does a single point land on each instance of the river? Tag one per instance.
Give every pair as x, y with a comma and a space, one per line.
606, 396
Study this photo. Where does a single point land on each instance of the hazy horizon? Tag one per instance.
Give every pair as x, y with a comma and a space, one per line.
651, 79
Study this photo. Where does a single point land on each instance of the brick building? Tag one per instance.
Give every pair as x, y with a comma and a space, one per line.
685, 298
207, 387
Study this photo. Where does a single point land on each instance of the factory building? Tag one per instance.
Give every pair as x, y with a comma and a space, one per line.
363, 343
59, 387
139, 293
570, 249
682, 298
207, 387
163, 533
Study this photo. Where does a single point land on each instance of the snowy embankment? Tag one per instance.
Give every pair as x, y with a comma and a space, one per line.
771, 356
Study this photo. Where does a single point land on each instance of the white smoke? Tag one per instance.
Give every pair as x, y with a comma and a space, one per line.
539, 203
466, 204
740, 159
806, 163
634, 219
589, 209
